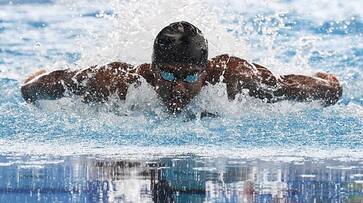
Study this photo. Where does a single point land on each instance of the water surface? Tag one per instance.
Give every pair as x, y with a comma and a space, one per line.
131, 150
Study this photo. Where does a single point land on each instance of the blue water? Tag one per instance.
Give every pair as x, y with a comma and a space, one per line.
287, 36
179, 179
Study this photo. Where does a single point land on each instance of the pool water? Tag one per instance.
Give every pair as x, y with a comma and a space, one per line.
132, 151
182, 178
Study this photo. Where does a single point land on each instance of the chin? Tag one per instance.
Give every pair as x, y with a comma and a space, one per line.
176, 106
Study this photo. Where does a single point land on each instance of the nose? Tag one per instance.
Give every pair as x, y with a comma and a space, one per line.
180, 87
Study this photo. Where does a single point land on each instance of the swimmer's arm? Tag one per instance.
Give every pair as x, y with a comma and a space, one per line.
257, 81
94, 84
46, 86
242, 77
97, 84
322, 86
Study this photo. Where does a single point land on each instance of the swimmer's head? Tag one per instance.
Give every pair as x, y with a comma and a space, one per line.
179, 61
180, 43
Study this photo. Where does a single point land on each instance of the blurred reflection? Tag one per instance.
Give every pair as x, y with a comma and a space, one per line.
178, 179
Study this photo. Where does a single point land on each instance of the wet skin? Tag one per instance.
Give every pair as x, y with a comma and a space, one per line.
177, 94
98, 83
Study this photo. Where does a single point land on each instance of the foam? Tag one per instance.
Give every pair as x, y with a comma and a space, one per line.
319, 11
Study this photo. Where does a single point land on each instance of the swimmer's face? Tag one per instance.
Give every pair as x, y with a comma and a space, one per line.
178, 84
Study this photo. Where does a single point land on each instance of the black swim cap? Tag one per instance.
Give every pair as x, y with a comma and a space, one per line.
180, 42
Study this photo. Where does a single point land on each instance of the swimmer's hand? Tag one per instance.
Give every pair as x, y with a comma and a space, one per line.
335, 91
322, 86
45, 86
34, 75
328, 77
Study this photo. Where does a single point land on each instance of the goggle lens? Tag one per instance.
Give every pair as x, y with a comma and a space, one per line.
191, 78
168, 76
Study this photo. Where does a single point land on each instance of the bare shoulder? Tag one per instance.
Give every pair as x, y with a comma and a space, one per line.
116, 67
227, 66
145, 71
113, 68
34, 75
105, 73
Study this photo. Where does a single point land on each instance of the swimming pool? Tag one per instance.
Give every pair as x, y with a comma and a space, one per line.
54, 138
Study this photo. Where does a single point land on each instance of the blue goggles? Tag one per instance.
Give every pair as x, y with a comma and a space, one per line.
169, 76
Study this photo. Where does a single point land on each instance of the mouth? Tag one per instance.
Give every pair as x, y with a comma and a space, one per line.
176, 104
175, 100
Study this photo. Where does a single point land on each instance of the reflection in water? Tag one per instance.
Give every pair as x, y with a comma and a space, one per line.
178, 179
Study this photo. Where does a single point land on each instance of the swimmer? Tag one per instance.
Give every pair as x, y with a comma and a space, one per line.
178, 71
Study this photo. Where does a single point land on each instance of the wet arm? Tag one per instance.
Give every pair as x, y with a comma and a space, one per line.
322, 86
94, 84
242, 77
257, 81
47, 86
97, 84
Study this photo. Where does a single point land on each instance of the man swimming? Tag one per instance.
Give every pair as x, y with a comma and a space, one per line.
179, 70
